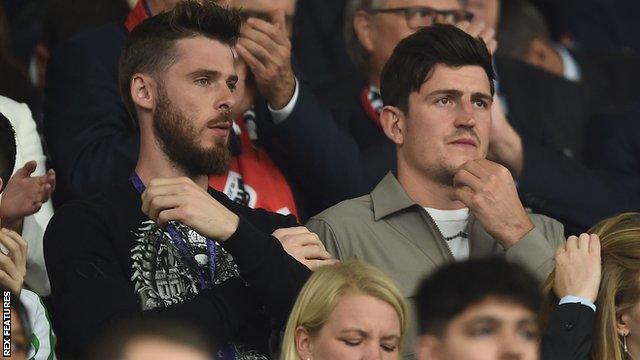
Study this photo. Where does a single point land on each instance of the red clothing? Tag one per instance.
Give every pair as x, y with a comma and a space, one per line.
253, 179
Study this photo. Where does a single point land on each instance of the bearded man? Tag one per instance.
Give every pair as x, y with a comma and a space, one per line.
163, 244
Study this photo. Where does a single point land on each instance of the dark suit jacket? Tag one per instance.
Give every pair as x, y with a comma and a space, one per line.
553, 116
318, 40
569, 333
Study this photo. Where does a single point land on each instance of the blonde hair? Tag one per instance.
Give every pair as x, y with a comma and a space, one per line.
620, 284
326, 287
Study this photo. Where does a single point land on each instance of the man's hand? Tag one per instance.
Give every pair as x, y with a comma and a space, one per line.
25, 194
489, 192
180, 199
266, 49
578, 268
13, 261
505, 144
304, 246
480, 29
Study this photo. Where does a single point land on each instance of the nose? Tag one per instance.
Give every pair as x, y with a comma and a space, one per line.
513, 347
465, 116
226, 102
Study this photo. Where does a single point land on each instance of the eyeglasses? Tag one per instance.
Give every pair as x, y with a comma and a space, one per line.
420, 16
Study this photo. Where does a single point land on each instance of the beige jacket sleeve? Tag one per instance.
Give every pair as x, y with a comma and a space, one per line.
327, 236
536, 250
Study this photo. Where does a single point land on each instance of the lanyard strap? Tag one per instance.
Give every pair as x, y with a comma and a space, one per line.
176, 238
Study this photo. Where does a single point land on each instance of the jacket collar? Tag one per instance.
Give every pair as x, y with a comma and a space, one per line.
389, 197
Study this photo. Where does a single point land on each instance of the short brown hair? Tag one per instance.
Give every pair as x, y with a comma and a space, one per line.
150, 46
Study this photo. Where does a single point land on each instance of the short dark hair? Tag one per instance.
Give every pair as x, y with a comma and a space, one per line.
113, 345
456, 287
520, 23
415, 56
7, 150
150, 46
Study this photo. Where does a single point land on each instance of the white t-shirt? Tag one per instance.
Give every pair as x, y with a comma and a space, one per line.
453, 226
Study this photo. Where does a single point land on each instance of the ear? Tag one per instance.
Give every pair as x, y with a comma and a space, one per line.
538, 52
143, 91
303, 343
427, 347
362, 27
621, 324
393, 124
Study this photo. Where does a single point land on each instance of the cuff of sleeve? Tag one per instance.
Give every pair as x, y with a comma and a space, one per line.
577, 300
534, 252
247, 246
281, 115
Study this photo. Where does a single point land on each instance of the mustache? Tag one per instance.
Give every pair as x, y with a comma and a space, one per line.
225, 117
462, 132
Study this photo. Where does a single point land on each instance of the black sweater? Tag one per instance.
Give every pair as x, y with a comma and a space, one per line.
107, 261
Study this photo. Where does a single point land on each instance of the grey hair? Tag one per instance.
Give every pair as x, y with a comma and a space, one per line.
355, 50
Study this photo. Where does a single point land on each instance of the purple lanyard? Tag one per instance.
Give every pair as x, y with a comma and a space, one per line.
181, 245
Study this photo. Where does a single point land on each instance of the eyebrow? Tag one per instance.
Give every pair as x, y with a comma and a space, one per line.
359, 331
365, 334
458, 93
212, 74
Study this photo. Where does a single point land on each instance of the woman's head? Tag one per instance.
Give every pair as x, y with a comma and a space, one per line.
618, 300
346, 311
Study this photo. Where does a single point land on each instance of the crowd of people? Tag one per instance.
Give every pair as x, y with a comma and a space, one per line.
313, 179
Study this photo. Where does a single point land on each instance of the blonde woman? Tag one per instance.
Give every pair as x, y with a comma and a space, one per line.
350, 310
616, 334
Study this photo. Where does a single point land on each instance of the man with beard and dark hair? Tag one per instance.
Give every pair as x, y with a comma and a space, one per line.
164, 244
446, 202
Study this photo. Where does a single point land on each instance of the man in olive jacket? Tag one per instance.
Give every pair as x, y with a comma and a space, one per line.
447, 201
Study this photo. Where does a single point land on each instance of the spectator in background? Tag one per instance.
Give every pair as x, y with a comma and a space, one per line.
153, 340
447, 201
31, 331
27, 207
609, 77
615, 334
350, 310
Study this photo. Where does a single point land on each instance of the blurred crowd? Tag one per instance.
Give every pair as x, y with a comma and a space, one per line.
321, 179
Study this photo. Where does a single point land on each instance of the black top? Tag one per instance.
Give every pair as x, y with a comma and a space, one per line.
569, 333
107, 261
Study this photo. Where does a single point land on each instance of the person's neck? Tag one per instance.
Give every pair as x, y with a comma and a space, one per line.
425, 191
374, 80
153, 163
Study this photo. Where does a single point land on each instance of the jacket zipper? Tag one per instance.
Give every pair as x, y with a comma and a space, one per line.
441, 236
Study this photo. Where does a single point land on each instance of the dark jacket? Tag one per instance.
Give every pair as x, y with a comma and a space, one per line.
569, 333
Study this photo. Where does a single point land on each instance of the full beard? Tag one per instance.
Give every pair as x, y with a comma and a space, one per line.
177, 137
